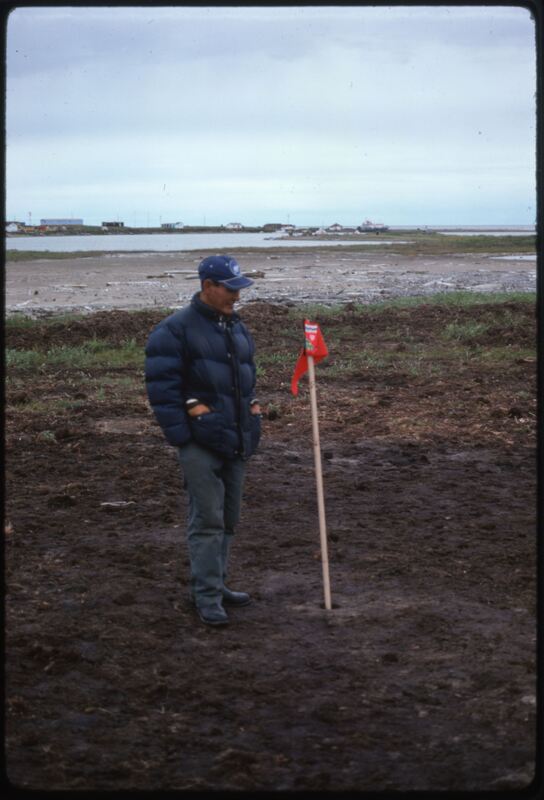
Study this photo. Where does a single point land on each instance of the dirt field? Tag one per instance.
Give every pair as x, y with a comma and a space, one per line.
330, 275
422, 677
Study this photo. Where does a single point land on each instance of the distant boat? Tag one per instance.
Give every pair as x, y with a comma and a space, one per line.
372, 227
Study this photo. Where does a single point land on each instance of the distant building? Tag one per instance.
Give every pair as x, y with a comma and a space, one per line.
58, 222
172, 225
14, 227
335, 228
234, 226
270, 227
113, 225
372, 227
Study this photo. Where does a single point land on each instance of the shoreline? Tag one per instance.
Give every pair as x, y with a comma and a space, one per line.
132, 281
96, 230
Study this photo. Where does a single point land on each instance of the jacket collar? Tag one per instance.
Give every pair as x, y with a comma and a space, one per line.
211, 313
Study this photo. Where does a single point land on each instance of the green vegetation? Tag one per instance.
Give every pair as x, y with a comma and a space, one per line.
432, 243
490, 329
461, 299
418, 338
23, 359
95, 353
264, 360
463, 331
38, 255
20, 321
442, 244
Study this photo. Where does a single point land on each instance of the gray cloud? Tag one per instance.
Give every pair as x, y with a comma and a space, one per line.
51, 39
319, 96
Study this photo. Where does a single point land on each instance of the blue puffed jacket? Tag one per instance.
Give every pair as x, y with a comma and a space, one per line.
198, 353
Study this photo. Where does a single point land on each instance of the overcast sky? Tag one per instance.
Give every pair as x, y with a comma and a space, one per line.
313, 115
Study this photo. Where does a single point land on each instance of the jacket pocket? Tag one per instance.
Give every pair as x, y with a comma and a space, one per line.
211, 431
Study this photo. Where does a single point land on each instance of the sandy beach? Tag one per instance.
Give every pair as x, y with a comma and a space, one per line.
127, 281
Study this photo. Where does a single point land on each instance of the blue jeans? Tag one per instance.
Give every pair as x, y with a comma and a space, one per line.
214, 486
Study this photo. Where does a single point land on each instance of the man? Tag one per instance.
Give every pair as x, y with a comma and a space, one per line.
200, 378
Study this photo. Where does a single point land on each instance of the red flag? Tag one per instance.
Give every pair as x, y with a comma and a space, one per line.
314, 345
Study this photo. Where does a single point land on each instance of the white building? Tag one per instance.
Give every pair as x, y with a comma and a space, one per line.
234, 226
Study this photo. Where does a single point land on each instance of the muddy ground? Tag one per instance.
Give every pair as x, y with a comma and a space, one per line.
324, 275
422, 677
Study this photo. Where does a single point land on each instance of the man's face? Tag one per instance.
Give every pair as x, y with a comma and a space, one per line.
219, 297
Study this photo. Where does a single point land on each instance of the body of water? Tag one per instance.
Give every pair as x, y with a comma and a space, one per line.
220, 242
167, 242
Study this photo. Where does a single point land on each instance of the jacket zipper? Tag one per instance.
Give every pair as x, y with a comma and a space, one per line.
236, 377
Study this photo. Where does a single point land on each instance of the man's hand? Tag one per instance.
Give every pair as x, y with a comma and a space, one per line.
199, 409
255, 408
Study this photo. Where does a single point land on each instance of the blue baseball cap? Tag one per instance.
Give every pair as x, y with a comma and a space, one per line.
224, 270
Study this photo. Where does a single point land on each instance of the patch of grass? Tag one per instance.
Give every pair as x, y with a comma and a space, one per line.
456, 344
37, 255
281, 359
503, 354
464, 331
444, 244
23, 322
465, 299
423, 360
95, 353
23, 359
458, 299
416, 243
19, 322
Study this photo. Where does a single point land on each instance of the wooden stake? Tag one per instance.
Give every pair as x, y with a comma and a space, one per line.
319, 482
